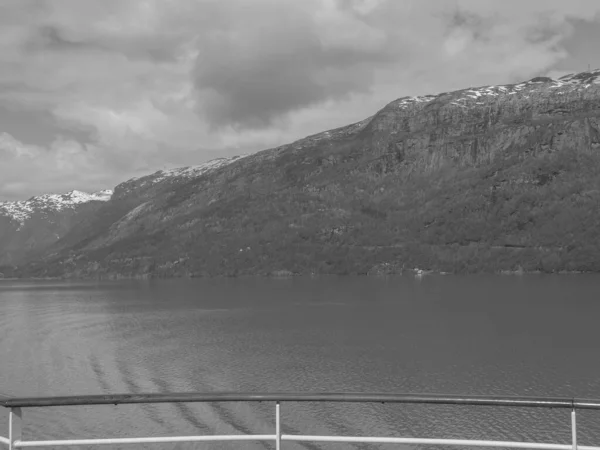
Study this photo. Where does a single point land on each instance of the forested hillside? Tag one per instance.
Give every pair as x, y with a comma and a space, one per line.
498, 178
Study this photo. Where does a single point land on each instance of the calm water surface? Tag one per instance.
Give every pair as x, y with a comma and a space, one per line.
531, 335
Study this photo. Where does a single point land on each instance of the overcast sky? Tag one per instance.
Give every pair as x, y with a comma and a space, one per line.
93, 92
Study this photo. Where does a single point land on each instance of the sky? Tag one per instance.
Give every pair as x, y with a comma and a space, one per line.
95, 92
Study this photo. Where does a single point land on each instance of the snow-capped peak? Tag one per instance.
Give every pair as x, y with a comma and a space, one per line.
60, 201
20, 211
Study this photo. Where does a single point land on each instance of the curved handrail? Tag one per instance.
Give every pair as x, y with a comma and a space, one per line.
203, 397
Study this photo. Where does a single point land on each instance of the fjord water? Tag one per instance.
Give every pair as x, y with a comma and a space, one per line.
492, 335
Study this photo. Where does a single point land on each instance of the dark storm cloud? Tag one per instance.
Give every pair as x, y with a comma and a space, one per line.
248, 73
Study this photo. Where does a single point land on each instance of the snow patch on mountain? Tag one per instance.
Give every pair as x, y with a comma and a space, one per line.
569, 82
21, 211
193, 171
185, 172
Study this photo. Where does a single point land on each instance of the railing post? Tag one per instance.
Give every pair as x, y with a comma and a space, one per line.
574, 429
15, 427
277, 426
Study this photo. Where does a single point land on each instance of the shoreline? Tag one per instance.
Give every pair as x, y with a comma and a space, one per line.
417, 273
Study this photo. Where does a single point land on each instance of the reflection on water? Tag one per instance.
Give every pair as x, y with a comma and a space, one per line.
532, 335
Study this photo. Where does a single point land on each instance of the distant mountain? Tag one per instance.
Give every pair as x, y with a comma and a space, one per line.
128, 199
47, 223
29, 226
482, 179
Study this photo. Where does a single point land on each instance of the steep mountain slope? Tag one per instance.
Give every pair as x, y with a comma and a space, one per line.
482, 179
129, 197
29, 226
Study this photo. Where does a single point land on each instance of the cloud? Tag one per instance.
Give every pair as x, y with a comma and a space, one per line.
53, 168
139, 85
252, 69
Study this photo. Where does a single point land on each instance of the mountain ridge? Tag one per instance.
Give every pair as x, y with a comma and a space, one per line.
21, 210
481, 179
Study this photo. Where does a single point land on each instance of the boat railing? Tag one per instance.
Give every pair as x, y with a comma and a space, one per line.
17, 405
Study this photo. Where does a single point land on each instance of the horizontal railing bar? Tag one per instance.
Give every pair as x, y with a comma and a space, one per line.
4, 440
195, 397
426, 441
147, 440
304, 438
449, 442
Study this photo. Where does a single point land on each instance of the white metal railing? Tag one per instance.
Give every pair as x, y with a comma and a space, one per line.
16, 406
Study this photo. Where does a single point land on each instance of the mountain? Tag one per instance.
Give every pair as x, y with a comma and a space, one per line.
47, 223
129, 197
484, 179
27, 227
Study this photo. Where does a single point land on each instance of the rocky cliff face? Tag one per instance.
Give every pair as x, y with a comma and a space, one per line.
475, 125
481, 179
